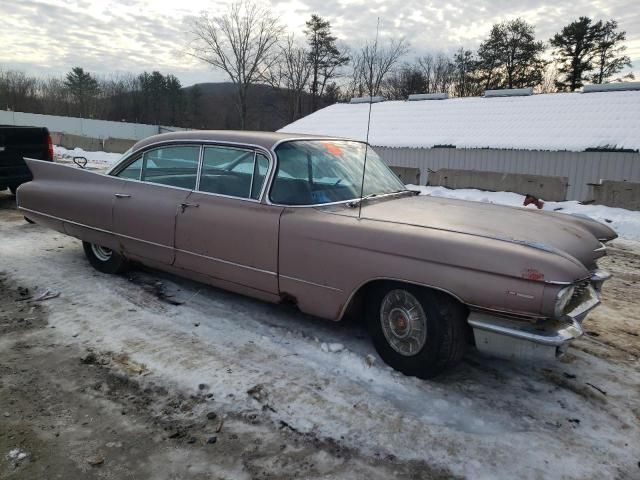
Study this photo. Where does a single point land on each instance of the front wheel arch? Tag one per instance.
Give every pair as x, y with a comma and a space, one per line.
354, 306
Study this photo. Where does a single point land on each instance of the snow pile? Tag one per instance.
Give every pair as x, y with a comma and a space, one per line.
626, 223
331, 347
96, 157
17, 454
557, 121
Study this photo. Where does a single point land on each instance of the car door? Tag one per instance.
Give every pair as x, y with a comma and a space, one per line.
145, 208
225, 231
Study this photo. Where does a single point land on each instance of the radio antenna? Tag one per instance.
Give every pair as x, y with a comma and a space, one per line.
366, 146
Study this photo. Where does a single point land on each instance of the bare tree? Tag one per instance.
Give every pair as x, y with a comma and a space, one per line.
550, 79
237, 42
372, 63
291, 71
17, 91
438, 71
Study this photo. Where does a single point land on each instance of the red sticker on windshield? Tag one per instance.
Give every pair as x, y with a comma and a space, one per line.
333, 149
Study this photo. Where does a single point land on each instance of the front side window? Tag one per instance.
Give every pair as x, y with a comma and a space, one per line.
233, 172
175, 166
312, 172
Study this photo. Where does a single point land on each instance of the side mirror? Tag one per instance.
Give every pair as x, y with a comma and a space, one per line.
80, 161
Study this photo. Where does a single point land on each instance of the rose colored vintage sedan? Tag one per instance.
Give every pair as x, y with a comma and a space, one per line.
280, 217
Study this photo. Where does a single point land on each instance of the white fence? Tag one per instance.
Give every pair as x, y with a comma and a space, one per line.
100, 129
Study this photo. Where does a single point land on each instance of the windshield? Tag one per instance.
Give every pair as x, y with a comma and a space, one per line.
312, 172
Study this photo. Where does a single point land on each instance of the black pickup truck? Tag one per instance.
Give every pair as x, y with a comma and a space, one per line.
17, 143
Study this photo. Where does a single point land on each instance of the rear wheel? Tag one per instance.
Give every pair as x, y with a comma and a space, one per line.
104, 259
418, 331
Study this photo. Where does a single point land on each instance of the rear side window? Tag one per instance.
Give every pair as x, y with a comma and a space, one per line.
172, 166
133, 170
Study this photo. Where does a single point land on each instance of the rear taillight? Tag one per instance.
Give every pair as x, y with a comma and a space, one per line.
49, 148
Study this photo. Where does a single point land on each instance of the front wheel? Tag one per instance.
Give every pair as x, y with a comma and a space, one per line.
418, 331
104, 259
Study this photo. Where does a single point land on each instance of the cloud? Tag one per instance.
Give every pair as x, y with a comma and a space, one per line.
48, 37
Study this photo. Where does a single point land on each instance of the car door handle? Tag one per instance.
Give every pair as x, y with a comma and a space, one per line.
185, 205
122, 195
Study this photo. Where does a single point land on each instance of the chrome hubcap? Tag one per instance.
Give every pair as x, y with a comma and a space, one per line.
102, 253
404, 322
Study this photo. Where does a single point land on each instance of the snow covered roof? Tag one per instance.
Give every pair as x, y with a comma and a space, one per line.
553, 122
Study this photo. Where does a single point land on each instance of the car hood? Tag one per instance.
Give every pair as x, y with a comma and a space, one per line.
567, 235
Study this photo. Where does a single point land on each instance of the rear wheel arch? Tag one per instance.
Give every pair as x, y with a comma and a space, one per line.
104, 259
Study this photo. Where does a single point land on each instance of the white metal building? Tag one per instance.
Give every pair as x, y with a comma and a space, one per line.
584, 137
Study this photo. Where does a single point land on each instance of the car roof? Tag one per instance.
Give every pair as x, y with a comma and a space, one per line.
263, 139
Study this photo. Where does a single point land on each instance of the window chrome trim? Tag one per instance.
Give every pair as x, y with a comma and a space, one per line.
203, 144
142, 182
253, 172
191, 141
231, 197
199, 171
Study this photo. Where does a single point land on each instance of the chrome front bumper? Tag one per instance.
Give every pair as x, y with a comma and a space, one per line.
509, 338
536, 339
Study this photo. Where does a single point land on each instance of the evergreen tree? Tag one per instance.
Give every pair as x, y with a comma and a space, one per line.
466, 79
175, 98
575, 50
82, 87
324, 56
610, 59
511, 57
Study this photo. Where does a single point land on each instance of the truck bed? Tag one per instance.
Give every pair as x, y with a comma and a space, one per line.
17, 143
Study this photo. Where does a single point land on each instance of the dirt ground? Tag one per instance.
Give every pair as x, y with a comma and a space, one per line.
94, 384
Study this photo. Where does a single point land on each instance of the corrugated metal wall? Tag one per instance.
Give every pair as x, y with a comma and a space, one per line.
581, 168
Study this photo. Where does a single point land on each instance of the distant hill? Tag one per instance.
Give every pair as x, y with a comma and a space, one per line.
216, 108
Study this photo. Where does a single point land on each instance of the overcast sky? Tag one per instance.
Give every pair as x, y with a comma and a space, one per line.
48, 37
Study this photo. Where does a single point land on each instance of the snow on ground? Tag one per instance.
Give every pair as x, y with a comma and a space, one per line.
625, 222
93, 157
325, 379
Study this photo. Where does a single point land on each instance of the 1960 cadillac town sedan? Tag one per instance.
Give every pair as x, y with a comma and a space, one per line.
280, 217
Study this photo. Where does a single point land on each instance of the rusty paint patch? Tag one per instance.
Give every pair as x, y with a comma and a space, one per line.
532, 274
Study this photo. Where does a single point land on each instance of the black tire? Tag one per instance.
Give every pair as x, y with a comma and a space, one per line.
13, 189
446, 334
28, 220
98, 258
